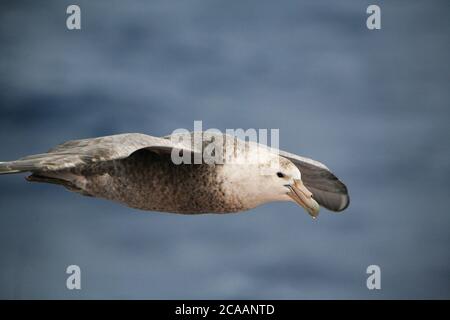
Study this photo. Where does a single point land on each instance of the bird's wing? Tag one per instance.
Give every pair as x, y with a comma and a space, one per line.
326, 188
81, 152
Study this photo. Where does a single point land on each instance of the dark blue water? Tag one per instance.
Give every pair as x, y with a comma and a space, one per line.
372, 105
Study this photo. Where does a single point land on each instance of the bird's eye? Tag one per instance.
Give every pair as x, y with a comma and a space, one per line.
280, 174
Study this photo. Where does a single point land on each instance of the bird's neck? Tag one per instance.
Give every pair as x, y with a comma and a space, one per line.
240, 185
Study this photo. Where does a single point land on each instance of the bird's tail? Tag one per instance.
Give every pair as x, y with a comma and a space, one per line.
30, 163
8, 167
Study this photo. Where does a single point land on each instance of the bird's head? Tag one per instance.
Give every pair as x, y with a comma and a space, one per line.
274, 179
285, 180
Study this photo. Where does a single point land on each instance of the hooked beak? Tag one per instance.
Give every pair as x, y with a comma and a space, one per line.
303, 197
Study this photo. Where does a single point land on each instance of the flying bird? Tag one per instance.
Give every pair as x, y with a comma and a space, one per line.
145, 172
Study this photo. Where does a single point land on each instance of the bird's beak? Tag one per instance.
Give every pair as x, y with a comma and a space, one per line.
303, 197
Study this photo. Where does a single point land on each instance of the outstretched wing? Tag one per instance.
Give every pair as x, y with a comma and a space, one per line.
81, 152
326, 188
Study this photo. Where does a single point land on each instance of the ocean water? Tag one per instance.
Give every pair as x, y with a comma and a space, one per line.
374, 106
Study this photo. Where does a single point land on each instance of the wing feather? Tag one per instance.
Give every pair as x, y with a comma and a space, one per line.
326, 188
74, 153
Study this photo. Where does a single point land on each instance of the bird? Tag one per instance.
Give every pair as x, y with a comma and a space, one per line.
186, 173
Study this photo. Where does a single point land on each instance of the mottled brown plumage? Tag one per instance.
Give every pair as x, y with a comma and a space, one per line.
150, 181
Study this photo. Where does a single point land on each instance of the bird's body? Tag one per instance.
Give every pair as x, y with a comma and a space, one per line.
140, 171
149, 181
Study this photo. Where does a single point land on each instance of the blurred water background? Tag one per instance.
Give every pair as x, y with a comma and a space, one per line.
373, 105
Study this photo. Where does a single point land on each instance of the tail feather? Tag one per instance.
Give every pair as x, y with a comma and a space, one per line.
31, 163
6, 168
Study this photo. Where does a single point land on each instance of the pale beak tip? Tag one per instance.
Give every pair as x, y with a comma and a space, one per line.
304, 197
314, 213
